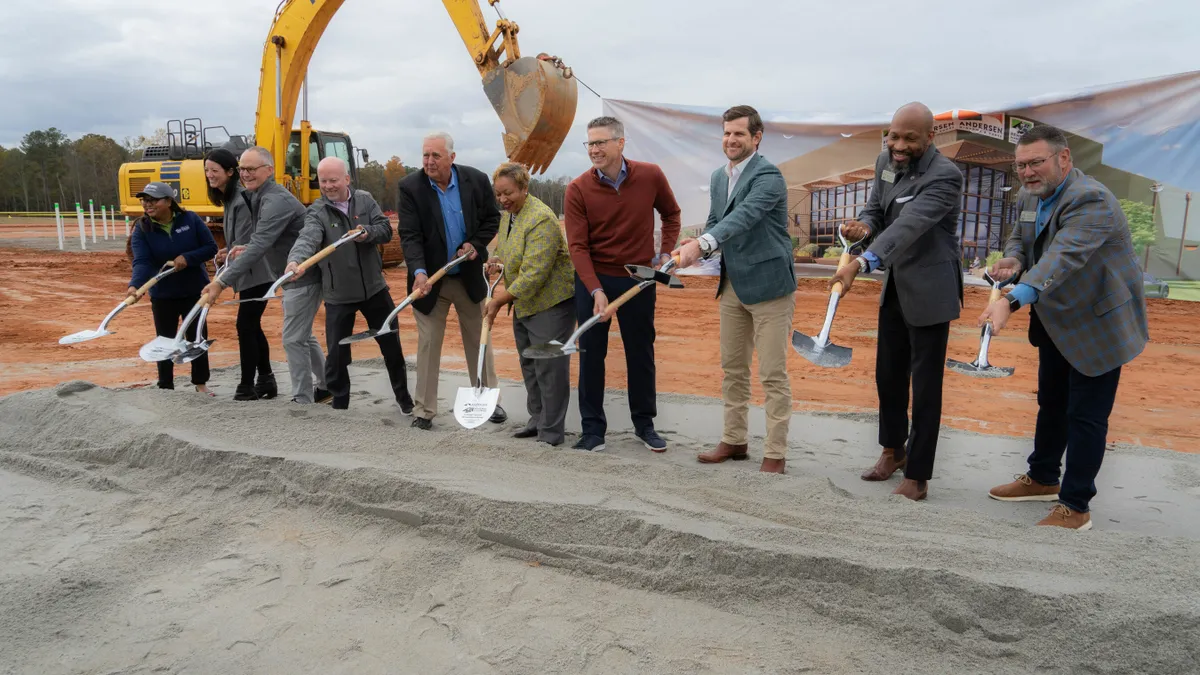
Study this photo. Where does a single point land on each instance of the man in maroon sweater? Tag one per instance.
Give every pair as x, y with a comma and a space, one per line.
610, 223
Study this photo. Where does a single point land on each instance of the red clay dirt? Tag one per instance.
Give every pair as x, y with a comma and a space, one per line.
46, 294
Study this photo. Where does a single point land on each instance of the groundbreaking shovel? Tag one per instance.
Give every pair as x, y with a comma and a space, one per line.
649, 276
162, 348
980, 366
316, 258
474, 405
821, 351
85, 335
387, 323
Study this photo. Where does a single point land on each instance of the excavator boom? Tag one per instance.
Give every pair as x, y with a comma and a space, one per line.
535, 97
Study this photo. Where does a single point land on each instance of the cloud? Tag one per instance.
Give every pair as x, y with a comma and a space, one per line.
387, 72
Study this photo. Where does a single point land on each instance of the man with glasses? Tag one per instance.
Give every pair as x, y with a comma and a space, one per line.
911, 220
1072, 255
610, 223
277, 218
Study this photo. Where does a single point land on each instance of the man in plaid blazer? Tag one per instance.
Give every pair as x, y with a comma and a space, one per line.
747, 222
1073, 257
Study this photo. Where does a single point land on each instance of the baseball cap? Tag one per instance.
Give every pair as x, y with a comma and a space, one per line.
157, 190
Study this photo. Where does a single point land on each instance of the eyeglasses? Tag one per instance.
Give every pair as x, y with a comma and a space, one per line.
1034, 164
595, 144
250, 169
151, 200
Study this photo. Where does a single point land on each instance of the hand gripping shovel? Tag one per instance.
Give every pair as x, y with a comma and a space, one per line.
821, 351
316, 258
980, 366
474, 405
387, 323
649, 277
85, 335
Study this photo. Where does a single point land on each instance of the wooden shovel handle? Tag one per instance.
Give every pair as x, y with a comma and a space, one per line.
484, 333
320, 255
129, 300
995, 295
624, 298
842, 262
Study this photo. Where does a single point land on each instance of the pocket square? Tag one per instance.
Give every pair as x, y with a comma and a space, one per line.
902, 200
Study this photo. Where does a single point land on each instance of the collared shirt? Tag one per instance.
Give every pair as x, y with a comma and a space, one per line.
344, 207
732, 173
450, 200
1024, 293
616, 184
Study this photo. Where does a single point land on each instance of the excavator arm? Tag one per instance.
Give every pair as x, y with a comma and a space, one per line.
535, 97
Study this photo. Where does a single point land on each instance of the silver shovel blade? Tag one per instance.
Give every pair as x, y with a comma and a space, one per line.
160, 349
828, 356
550, 350
650, 274
473, 406
973, 370
82, 336
192, 353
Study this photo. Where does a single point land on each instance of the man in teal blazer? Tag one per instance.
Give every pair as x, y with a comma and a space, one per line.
747, 224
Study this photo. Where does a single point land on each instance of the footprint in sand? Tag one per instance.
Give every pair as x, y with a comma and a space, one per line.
298, 413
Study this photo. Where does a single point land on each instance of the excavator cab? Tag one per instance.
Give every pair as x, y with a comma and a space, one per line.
306, 148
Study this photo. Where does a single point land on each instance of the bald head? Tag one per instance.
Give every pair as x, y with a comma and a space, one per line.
910, 134
333, 174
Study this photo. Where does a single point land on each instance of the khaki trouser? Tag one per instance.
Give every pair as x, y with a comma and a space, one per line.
431, 330
765, 327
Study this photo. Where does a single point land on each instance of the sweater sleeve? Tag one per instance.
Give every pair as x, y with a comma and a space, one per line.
206, 245
143, 263
577, 238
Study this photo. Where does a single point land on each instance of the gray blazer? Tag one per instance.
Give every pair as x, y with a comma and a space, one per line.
750, 227
1090, 297
914, 233
276, 220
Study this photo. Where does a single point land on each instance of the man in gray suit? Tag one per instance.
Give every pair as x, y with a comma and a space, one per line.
1073, 256
747, 223
911, 218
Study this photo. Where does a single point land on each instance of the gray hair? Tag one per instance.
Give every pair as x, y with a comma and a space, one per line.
1053, 136
263, 154
611, 123
443, 135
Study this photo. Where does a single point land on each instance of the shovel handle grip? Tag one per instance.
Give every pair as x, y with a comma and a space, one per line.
843, 260
622, 299
145, 288
994, 296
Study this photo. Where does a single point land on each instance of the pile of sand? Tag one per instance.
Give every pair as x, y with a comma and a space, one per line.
151, 531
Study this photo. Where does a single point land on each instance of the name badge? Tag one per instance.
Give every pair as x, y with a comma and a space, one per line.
1028, 216
888, 176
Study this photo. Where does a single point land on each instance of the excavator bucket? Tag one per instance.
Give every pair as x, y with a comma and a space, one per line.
535, 98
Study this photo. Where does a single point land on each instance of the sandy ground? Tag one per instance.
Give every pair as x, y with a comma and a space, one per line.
151, 531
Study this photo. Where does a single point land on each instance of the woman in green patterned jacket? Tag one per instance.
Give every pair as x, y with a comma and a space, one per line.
539, 282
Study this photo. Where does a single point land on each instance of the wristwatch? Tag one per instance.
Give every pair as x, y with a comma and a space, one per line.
1013, 303
863, 265
705, 248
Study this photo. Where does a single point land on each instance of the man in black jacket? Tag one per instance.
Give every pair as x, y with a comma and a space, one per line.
446, 210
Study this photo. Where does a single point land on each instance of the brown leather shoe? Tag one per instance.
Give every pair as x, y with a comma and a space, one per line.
915, 490
1024, 489
1063, 516
773, 465
723, 452
885, 466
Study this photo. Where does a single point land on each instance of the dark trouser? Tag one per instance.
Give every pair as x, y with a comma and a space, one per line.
547, 381
339, 323
1072, 417
253, 349
636, 321
920, 352
167, 313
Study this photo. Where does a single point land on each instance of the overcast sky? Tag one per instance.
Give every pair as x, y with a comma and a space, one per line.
388, 71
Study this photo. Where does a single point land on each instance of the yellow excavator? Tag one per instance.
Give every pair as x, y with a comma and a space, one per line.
535, 98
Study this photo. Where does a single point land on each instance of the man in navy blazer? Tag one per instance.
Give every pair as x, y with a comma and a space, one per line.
747, 223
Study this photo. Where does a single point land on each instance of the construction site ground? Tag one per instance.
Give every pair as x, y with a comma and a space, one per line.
46, 294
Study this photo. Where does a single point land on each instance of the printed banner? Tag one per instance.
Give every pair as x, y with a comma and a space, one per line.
1017, 128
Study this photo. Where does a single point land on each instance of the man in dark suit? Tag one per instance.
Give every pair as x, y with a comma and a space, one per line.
446, 210
911, 218
747, 223
1073, 257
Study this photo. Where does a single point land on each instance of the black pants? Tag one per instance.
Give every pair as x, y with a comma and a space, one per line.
905, 351
1073, 412
339, 323
636, 321
167, 314
253, 349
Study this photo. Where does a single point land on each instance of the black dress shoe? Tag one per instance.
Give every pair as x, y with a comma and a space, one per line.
422, 423
245, 393
526, 433
406, 404
341, 403
266, 387
322, 395
498, 417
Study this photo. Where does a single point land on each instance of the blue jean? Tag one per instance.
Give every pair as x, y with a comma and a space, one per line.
1073, 412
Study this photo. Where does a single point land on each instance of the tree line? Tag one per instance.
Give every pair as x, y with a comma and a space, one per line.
48, 167
381, 179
